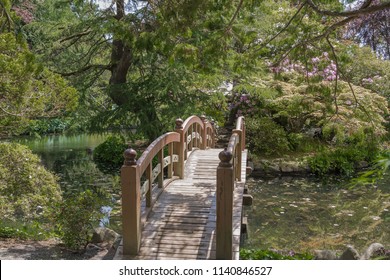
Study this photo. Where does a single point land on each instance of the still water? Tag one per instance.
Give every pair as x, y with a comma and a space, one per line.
293, 213
303, 214
71, 159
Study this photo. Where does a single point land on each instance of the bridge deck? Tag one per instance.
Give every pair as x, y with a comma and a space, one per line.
181, 224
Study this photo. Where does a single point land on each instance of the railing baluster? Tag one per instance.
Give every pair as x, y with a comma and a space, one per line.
204, 132
149, 177
189, 135
179, 149
170, 165
161, 174
239, 154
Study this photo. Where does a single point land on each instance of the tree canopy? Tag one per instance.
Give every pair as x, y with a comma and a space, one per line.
28, 89
148, 62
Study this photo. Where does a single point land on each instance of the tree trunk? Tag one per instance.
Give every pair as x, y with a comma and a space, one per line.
121, 58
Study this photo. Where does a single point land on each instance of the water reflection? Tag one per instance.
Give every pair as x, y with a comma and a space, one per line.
303, 214
71, 159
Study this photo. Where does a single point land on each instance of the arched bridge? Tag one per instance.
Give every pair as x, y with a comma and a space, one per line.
182, 199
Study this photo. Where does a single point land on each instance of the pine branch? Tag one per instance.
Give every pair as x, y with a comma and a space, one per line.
84, 69
235, 15
9, 19
364, 9
76, 36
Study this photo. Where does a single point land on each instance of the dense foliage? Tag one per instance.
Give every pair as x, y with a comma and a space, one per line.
111, 151
78, 215
27, 190
28, 89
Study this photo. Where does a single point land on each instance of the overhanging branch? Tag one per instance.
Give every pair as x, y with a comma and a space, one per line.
364, 9
84, 69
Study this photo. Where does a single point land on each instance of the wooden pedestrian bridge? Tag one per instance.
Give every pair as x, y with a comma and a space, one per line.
182, 199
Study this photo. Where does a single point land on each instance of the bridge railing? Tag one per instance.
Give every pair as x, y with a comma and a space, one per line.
138, 176
195, 132
228, 172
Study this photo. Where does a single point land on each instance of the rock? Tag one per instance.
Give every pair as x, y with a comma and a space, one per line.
39, 210
362, 164
350, 254
324, 255
315, 132
373, 251
292, 166
270, 167
279, 166
102, 234
287, 167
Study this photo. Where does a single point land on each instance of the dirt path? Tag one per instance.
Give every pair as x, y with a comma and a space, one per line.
13, 249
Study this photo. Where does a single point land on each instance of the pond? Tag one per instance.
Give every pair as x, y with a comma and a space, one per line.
70, 158
304, 214
291, 213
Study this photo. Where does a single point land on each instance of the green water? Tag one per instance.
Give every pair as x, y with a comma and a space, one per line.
71, 159
304, 214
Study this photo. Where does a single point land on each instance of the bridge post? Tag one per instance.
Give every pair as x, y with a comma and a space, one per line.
131, 203
243, 143
212, 140
224, 199
204, 132
239, 154
178, 149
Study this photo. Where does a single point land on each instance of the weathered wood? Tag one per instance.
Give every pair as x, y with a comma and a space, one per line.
131, 208
225, 188
170, 166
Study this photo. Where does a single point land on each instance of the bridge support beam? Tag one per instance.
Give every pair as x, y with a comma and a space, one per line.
224, 199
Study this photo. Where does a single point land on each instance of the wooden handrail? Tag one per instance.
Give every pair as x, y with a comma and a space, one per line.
194, 132
228, 171
155, 147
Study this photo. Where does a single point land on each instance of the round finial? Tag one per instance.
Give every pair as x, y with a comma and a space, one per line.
225, 157
130, 156
203, 118
179, 123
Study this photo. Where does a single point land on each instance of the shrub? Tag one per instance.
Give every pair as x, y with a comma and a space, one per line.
345, 157
266, 137
110, 151
27, 189
251, 254
77, 217
46, 126
33, 230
